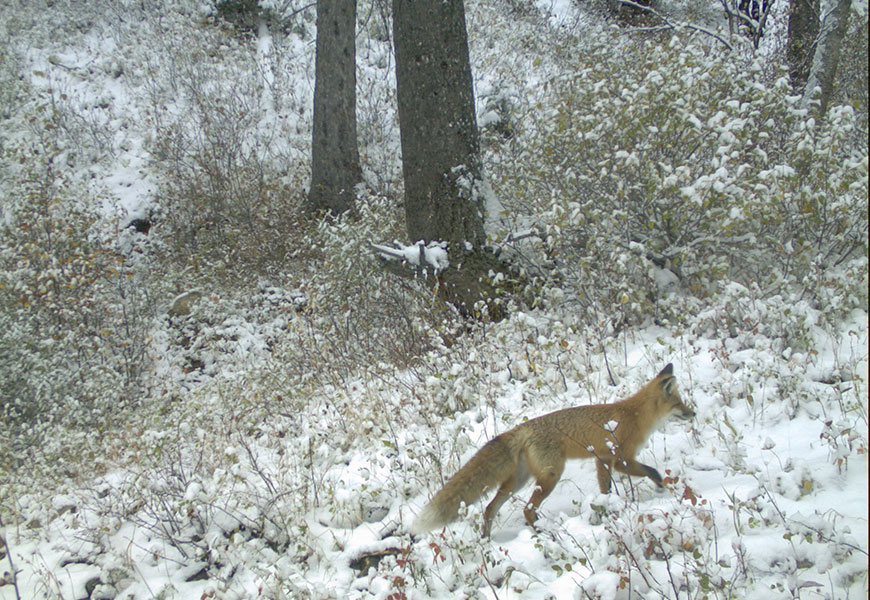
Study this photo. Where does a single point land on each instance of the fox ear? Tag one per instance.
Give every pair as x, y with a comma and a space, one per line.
669, 385
668, 370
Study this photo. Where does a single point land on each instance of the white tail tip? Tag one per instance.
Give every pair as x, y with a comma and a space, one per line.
427, 520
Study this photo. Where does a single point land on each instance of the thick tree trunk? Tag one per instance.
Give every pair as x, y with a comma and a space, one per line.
444, 186
335, 166
803, 29
440, 148
826, 57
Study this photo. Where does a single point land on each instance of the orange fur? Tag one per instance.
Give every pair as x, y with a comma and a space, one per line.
610, 433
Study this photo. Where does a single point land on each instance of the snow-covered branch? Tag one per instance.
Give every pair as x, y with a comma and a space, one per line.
433, 254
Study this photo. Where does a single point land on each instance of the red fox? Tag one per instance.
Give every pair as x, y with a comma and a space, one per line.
609, 433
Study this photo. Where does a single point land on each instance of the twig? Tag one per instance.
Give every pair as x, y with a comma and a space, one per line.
607, 364
14, 571
672, 25
256, 465
762, 21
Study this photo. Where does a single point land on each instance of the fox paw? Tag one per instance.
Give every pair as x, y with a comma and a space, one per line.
655, 476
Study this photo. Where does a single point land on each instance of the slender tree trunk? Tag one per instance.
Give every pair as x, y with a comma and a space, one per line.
440, 147
803, 29
827, 54
335, 166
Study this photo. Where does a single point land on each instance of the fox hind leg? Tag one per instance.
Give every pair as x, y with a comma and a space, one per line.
546, 478
500, 496
513, 483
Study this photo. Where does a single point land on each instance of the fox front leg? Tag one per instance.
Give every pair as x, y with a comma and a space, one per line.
637, 469
602, 469
629, 467
654, 475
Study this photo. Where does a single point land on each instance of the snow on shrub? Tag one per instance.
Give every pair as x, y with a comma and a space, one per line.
72, 317
680, 159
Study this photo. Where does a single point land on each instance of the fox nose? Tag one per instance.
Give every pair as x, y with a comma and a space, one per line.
686, 413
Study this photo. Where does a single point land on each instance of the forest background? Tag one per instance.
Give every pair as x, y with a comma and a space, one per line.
209, 390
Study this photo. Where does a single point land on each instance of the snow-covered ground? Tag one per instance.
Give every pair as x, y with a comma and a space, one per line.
767, 494
258, 483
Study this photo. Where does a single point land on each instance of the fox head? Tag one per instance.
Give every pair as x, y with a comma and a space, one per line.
669, 401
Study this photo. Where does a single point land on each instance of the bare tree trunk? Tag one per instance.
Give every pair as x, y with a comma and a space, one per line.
803, 29
335, 166
440, 147
827, 54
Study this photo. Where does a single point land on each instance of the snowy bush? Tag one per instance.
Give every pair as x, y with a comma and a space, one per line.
365, 314
680, 161
218, 121
73, 331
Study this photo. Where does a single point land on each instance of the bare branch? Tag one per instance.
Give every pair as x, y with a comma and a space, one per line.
677, 25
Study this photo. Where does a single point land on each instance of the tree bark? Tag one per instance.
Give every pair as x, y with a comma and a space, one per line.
445, 192
335, 166
440, 147
826, 57
803, 29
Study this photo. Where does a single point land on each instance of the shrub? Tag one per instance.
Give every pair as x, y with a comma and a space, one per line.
229, 186
359, 313
851, 86
675, 157
72, 317
13, 87
246, 16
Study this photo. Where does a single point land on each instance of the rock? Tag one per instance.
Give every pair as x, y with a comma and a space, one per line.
182, 304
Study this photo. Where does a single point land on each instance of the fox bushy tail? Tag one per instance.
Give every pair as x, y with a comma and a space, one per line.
492, 465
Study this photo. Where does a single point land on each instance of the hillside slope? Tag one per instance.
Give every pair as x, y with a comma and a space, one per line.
238, 404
